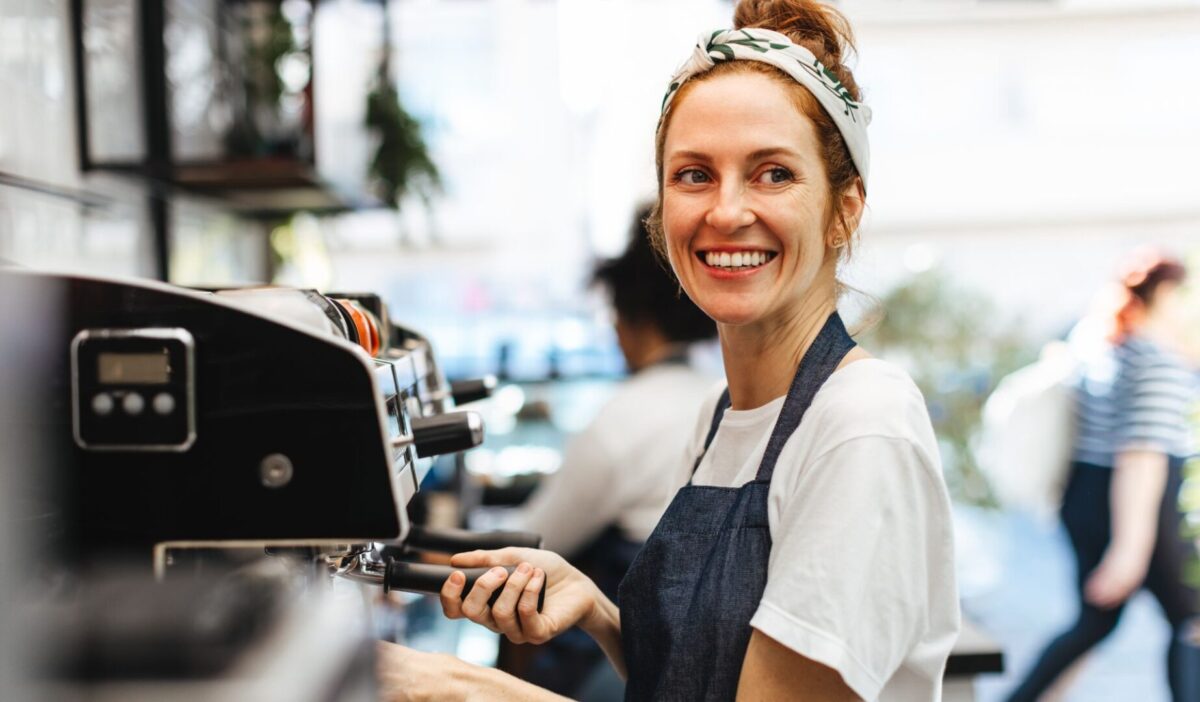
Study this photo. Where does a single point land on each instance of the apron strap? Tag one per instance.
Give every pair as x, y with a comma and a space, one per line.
819, 362
718, 414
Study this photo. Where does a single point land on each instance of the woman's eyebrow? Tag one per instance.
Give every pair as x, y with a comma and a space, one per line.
757, 155
773, 151
690, 155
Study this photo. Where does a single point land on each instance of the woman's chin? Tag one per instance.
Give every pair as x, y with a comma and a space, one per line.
732, 315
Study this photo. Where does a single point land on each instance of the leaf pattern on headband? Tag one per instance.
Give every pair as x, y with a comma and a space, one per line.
771, 47
817, 70
722, 52
759, 45
670, 91
833, 85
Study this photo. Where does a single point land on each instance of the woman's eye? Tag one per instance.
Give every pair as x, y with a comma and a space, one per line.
776, 175
692, 176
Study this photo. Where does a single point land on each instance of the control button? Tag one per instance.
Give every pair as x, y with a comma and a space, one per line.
102, 404
133, 404
164, 404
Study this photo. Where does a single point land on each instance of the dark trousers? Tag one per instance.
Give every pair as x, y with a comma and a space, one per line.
1086, 515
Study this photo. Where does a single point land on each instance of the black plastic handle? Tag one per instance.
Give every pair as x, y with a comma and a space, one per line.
447, 433
459, 540
429, 578
464, 391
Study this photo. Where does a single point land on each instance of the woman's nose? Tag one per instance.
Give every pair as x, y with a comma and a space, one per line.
731, 211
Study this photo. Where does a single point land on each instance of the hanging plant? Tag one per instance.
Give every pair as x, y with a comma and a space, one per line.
401, 165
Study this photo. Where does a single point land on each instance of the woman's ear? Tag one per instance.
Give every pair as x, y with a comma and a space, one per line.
851, 203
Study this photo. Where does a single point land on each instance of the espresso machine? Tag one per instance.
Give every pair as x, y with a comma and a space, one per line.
217, 462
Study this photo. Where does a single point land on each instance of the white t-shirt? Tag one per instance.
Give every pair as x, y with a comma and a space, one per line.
621, 468
861, 573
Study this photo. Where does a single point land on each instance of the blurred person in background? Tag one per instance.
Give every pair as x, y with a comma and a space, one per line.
1120, 507
615, 480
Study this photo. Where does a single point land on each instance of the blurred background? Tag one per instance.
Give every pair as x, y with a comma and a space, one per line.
470, 160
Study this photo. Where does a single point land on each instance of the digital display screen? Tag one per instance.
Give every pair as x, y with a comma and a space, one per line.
135, 368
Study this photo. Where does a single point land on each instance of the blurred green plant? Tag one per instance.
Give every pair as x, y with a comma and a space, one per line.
957, 347
266, 37
1189, 504
401, 165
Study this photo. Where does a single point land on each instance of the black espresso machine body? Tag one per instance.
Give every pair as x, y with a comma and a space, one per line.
190, 420
247, 453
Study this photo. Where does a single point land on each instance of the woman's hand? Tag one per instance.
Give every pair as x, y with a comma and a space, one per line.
1139, 478
1117, 577
406, 675
571, 597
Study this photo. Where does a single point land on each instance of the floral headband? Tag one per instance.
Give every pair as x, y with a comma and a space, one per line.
753, 44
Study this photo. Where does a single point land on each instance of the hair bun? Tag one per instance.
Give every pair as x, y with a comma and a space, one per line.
818, 27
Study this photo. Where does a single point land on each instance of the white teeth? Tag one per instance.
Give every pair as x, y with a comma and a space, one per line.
739, 259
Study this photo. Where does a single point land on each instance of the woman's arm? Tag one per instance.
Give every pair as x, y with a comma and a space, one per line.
1139, 478
772, 671
604, 625
406, 675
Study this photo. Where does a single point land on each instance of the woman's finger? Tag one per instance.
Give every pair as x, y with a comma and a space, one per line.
533, 625
504, 611
451, 595
475, 604
483, 559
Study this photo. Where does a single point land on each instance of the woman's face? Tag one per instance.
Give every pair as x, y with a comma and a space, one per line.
745, 201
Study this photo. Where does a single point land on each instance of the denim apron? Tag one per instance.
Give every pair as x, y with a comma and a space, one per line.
567, 663
688, 597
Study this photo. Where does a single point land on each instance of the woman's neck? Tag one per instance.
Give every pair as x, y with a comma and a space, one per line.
761, 359
1163, 333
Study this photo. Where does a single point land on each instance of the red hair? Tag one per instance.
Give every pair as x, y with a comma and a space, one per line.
1140, 277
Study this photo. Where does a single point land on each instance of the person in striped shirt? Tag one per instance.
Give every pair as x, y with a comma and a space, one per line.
1120, 507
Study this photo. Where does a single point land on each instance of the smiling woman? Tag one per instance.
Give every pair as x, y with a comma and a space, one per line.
808, 553
759, 189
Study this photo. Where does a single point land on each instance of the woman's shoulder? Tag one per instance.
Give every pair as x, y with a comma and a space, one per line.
1143, 353
868, 386
870, 397
658, 399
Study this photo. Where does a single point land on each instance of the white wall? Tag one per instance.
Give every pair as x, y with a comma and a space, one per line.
1023, 146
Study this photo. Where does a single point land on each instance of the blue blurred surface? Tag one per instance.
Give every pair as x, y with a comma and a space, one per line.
1017, 584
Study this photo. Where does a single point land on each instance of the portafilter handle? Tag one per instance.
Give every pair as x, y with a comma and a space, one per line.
443, 433
424, 577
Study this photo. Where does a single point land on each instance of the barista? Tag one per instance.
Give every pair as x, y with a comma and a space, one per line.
809, 552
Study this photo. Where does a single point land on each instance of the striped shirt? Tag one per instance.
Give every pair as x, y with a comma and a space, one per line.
1134, 396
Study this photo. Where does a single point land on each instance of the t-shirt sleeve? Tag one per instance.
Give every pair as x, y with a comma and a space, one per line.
854, 572
1153, 400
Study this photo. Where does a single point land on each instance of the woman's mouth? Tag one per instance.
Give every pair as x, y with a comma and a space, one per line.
732, 261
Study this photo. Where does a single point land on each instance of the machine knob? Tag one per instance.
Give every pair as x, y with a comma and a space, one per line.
444, 433
464, 391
